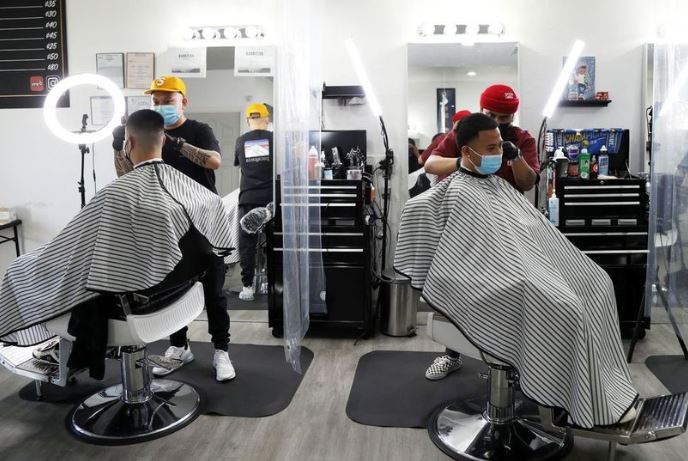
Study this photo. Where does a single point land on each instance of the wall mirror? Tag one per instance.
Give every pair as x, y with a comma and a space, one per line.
444, 78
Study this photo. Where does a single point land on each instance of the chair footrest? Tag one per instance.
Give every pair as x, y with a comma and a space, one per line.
658, 418
164, 362
20, 361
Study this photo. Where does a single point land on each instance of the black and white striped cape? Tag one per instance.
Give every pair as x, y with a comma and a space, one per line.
520, 291
125, 239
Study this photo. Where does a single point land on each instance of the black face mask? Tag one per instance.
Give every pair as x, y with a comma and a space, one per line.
505, 131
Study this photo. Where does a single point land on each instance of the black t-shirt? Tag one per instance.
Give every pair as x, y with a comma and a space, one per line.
197, 134
253, 153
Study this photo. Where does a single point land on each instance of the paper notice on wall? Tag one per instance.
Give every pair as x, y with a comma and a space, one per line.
254, 61
102, 110
187, 62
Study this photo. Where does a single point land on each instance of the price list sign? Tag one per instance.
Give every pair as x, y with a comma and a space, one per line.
33, 51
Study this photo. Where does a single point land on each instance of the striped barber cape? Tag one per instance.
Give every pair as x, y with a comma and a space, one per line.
519, 291
125, 239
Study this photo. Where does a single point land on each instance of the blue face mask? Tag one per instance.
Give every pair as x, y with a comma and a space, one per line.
170, 113
489, 164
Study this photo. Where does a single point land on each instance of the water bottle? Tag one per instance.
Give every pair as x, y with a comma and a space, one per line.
603, 162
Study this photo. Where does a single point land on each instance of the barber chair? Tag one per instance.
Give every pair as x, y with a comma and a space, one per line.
139, 408
499, 432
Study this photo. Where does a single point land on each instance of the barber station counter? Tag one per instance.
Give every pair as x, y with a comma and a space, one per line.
346, 246
607, 219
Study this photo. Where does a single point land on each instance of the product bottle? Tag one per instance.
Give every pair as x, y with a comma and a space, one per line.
603, 162
553, 205
594, 167
313, 164
584, 164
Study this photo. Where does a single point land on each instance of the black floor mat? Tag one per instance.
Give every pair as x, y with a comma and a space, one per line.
264, 385
390, 388
671, 370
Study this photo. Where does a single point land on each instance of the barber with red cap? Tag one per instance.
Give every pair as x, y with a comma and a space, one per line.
440, 136
519, 166
519, 160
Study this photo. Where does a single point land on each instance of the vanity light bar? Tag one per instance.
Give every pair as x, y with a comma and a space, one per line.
461, 30
224, 33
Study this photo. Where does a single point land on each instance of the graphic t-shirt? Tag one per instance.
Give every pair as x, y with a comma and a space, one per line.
253, 153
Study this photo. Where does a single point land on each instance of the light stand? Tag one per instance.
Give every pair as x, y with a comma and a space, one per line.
83, 148
386, 165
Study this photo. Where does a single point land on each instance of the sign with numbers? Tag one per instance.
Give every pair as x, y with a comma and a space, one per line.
33, 51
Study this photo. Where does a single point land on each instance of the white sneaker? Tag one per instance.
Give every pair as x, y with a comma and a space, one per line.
178, 355
246, 294
224, 371
442, 366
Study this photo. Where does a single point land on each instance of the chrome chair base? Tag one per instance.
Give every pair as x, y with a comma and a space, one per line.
104, 418
465, 434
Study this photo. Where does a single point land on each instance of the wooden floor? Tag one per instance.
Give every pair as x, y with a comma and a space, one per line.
314, 427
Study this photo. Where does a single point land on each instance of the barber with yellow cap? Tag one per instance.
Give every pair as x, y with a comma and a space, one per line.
253, 154
190, 147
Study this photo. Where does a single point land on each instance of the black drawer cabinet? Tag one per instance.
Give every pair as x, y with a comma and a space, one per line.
607, 220
346, 239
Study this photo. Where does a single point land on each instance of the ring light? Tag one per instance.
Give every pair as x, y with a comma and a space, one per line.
50, 108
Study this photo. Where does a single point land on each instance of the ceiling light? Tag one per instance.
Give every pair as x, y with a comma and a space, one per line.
231, 32
188, 34
427, 29
50, 108
495, 28
472, 29
471, 73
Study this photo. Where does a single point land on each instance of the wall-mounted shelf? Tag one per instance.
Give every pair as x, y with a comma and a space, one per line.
566, 103
338, 92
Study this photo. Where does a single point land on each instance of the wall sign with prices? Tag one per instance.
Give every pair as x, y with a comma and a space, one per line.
33, 51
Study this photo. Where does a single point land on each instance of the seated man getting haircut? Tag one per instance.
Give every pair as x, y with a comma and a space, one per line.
126, 239
515, 286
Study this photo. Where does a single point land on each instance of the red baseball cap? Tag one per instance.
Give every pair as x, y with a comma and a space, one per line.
499, 98
460, 114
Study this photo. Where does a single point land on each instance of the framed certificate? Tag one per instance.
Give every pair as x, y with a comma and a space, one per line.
102, 110
140, 69
111, 65
135, 103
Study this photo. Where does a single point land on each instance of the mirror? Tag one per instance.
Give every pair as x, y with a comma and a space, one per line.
220, 100
449, 77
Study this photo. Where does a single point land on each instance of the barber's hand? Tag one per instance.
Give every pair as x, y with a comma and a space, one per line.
176, 143
118, 138
510, 151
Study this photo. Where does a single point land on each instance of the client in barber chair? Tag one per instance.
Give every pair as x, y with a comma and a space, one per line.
492, 264
131, 237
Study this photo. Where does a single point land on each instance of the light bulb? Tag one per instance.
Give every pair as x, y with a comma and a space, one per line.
495, 28
188, 34
471, 73
427, 29
251, 31
450, 29
231, 32
472, 29
208, 33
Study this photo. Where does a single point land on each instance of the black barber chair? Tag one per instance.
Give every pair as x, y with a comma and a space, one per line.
140, 408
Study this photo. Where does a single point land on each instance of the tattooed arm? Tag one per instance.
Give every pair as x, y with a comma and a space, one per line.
122, 163
203, 157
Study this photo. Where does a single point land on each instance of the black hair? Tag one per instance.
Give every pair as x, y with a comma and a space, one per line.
412, 142
146, 121
471, 126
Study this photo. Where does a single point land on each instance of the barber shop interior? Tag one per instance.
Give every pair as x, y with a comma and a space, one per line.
317, 230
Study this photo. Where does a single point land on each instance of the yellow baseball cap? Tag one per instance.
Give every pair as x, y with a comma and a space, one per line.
168, 83
257, 108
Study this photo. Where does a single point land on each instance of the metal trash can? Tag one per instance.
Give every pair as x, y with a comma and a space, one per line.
399, 305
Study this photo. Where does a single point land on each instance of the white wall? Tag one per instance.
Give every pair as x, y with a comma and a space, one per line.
38, 173
422, 94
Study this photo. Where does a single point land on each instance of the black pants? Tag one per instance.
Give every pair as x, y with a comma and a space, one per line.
247, 249
216, 306
452, 354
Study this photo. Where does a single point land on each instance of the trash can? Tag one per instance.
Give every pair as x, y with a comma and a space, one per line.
399, 305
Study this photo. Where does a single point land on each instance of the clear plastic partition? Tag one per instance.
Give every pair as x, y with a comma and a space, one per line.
298, 109
667, 270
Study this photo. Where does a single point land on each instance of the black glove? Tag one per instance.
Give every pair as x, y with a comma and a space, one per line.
175, 143
118, 138
510, 151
